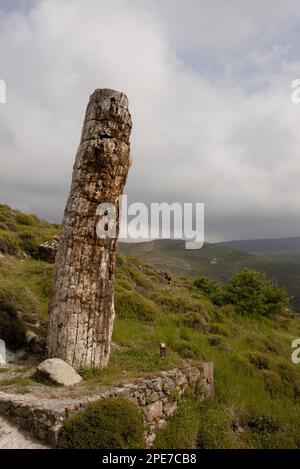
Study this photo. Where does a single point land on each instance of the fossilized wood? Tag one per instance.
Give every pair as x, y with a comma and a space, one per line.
81, 312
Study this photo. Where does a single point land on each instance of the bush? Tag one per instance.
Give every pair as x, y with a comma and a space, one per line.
252, 293
260, 360
273, 383
185, 349
219, 329
194, 320
28, 220
130, 304
105, 424
120, 259
207, 285
8, 243
140, 279
215, 339
215, 431
259, 421
16, 297
290, 377
181, 430
28, 243
179, 301
210, 288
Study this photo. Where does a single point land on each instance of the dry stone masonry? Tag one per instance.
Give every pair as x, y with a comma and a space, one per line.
157, 396
82, 305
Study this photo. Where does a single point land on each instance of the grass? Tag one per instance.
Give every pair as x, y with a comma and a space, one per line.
172, 256
22, 233
20, 384
257, 403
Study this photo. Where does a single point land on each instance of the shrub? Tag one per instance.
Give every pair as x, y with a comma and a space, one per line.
8, 243
259, 421
207, 285
185, 349
140, 279
120, 259
219, 329
260, 360
289, 376
215, 339
211, 289
181, 430
15, 297
194, 320
24, 219
179, 301
130, 304
105, 424
28, 243
273, 383
252, 293
215, 430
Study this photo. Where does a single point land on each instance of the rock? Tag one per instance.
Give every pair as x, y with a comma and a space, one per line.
59, 372
30, 337
34, 342
153, 411
150, 439
13, 357
47, 251
166, 276
161, 424
119, 348
170, 408
208, 375
181, 379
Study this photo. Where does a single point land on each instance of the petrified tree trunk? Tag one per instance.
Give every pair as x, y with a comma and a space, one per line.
82, 299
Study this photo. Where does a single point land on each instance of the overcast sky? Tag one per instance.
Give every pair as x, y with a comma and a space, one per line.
209, 85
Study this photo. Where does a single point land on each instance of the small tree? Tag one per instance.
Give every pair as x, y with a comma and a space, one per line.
252, 293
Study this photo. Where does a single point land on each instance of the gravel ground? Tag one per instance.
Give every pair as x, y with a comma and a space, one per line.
12, 438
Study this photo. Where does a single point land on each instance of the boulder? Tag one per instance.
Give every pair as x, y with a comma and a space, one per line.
166, 276
170, 408
47, 251
34, 342
58, 371
153, 411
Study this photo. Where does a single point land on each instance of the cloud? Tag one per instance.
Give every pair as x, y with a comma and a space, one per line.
220, 130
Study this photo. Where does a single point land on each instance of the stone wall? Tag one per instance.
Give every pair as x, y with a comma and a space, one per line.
157, 396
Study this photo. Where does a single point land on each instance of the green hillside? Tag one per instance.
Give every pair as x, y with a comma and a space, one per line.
217, 262
281, 246
257, 403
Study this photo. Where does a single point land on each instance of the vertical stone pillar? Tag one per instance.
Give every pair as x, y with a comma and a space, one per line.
81, 310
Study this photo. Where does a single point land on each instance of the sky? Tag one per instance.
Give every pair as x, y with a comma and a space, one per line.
209, 88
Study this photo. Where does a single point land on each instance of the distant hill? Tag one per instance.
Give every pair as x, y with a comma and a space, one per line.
219, 262
275, 246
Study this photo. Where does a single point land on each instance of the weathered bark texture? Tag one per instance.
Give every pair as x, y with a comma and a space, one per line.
82, 299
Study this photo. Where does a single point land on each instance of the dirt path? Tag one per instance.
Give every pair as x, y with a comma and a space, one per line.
12, 438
